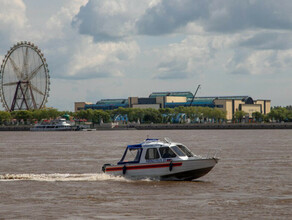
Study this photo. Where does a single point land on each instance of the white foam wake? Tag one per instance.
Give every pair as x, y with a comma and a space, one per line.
62, 177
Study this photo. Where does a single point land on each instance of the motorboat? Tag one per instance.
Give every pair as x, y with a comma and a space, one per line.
55, 125
162, 160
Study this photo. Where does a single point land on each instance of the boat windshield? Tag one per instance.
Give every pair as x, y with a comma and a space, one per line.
166, 152
132, 155
185, 150
178, 151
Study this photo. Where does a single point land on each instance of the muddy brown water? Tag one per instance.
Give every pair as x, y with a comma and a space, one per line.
57, 175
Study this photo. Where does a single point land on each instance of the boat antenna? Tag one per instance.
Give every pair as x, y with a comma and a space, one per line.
167, 140
195, 95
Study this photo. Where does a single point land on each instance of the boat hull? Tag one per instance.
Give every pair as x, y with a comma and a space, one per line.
187, 175
173, 170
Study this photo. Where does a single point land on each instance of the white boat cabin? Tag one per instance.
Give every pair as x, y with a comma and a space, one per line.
153, 150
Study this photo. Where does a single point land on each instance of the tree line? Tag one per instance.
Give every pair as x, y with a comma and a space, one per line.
30, 115
163, 115
150, 115
129, 114
277, 114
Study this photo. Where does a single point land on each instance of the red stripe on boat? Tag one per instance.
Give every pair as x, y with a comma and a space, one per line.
138, 167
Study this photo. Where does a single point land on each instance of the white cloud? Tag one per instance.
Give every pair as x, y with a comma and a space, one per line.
216, 16
92, 60
110, 20
57, 26
262, 62
13, 21
12, 12
276, 40
231, 16
192, 56
167, 16
74, 56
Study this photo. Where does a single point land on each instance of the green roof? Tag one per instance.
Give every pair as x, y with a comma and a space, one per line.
225, 97
112, 101
180, 94
189, 96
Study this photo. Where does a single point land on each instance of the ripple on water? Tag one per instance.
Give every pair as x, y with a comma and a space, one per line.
62, 177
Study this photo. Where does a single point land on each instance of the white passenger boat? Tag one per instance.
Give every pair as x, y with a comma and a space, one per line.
56, 125
163, 160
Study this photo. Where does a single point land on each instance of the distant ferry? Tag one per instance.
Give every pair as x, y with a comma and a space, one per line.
57, 125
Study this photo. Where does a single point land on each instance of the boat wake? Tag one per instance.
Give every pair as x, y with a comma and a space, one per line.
62, 177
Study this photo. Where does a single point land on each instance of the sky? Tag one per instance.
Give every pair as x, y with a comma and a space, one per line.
97, 49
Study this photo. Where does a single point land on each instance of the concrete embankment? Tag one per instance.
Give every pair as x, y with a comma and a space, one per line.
215, 126
174, 126
15, 128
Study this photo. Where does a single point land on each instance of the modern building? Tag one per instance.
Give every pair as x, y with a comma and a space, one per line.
153, 102
157, 100
81, 105
231, 104
188, 95
108, 104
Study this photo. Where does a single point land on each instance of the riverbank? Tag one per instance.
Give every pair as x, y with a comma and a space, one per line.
15, 128
215, 126
173, 126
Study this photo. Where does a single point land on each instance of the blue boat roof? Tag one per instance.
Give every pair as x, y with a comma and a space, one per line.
151, 139
137, 146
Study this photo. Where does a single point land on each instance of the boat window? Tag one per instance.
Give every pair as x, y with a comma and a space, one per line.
178, 151
152, 153
132, 155
185, 150
166, 152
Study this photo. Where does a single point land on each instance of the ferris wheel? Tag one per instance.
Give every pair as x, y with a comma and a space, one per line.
24, 78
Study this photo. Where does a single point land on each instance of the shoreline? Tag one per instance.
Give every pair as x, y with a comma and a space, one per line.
215, 126
240, 126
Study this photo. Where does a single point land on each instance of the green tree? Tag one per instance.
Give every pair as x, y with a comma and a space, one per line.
152, 115
266, 118
166, 110
99, 115
4, 116
239, 115
218, 114
289, 107
279, 114
289, 116
258, 116
136, 114
22, 115
179, 109
39, 114
121, 111
85, 114
54, 113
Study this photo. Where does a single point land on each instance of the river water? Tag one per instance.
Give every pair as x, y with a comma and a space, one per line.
57, 175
